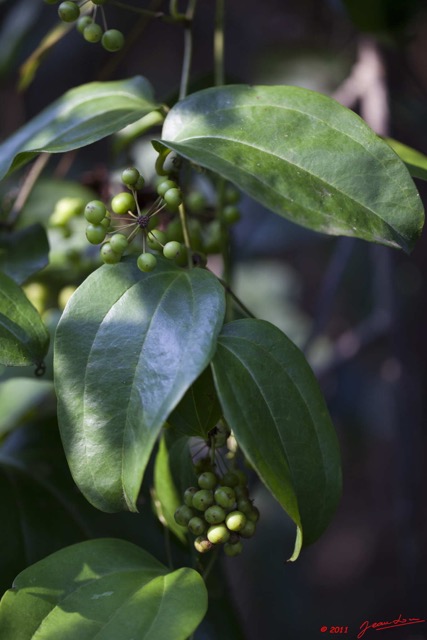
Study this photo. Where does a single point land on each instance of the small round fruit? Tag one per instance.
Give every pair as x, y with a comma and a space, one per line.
82, 23
130, 176
156, 239
197, 526
174, 231
202, 544
244, 505
218, 534
165, 185
231, 214
207, 480
123, 202
106, 223
235, 520
173, 198
233, 549
253, 514
188, 496
225, 497
146, 262
172, 249
95, 211
243, 479
230, 479
241, 492
203, 499
92, 33
139, 183
95, 233
248, 530
231, 195
212, 237
108, 255
215, 514
195, 202
68, 11
119, 242
183, 515
113, 40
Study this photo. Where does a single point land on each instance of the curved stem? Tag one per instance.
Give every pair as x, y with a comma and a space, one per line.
188, 48
236, 299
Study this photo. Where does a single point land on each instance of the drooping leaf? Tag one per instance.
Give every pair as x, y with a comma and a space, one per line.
180, 461
167, 499
81, 116
24, 252
199, 410
127, 348
415, 161
104, 589
302, 155
23, 337
273, 403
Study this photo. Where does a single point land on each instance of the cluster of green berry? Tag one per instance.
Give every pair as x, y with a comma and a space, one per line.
219, 511
69, 11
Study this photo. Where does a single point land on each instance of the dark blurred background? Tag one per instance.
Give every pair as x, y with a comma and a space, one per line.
358, 310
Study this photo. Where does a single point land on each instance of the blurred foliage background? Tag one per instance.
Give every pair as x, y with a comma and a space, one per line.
359, 311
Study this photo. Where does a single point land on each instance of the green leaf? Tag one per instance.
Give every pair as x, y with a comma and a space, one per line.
104, 589
127, 348
180, 461
302, 155
23, 337
81, 116
167, 499
23, 253
415, 161
199, 410
273, 403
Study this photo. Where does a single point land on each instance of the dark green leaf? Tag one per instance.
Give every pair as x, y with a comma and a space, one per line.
23, 253
180, 462
105, 589
415, 161
127, 348
23, 336
166, 497
81, 116
199, 410
302, 155
273, 403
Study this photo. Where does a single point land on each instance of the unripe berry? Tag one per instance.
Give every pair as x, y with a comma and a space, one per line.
95, 233
68, 11
92, 33
218, 534
231, 214
202, 544
235, 520
119, 242
156, 239
82, 23
130, 176
203, 499
230, 479
253, 514
231, 195
95, 211
197, 526
173, 198
113, 40
123, 202
188, 496
225, 497
183, 515
165, 185
172, 249
207, 480
232, 550
146, 262
215, 514
139, 183
108, 255
248, 530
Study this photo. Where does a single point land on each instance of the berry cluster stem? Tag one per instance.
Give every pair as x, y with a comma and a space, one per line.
188, 48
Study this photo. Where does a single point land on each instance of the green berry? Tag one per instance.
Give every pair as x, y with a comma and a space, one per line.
231, 195
106, 223
95, 211
95, 233
108, 255
230, 479
119, 242
241, 492
253, 514
82, 23
182, 258
173, 198
244, 505
197, 526
172, 249
248, 530
146, 262
92, 33
113, 40
156, 239
243, 479
235, 520
233, 549
123, 202
202, 544
165, 185
218, 534
225, 497
183, 515
230, 214
65, 209
174, 231
195, 202
139, 183
189, 493
207, 480
130, 176
212, 237
203, 499
68, 11
215, 514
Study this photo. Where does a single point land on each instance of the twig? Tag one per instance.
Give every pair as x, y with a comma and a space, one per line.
27, 187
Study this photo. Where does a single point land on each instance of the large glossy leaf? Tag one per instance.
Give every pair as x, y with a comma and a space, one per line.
81, 116
273, 403
23, 337
302, 155
104, 589
166, 496
127, 348
24, 252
